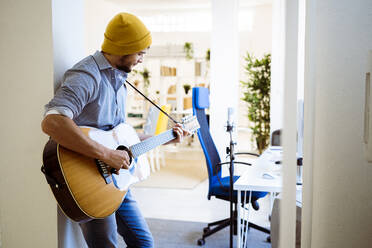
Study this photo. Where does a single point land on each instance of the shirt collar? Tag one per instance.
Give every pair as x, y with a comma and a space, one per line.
101, 61
104, 64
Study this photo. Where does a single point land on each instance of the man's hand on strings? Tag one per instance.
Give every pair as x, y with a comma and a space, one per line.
117, 159
180, 133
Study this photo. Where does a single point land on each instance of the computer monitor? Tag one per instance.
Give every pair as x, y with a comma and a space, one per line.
276, 138
276, 135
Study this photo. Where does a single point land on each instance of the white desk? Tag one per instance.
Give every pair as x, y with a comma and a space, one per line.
253, 180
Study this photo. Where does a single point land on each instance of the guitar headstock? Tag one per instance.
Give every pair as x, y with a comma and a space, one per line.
190, 123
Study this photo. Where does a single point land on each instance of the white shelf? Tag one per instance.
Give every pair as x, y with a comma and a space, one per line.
173, 56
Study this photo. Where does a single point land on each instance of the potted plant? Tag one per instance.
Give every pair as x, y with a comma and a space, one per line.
257, 95
187, 88
208, 55
146, 77
189, 50
207, 59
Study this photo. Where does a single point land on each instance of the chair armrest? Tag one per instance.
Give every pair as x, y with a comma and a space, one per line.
245, 153
240, 162
235, 162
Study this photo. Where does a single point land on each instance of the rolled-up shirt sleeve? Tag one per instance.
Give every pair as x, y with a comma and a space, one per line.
61, 111
79, 87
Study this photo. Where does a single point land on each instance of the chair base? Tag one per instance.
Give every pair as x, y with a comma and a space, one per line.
207, 231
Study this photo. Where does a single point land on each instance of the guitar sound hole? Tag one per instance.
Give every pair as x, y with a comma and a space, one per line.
124, 148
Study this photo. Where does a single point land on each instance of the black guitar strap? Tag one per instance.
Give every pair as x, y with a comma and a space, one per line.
131, 85
151, 102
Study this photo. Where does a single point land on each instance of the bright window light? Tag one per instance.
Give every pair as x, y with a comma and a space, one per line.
185, 22
192, 21
246, 18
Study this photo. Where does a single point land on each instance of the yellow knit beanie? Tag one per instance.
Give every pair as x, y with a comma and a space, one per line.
126, 34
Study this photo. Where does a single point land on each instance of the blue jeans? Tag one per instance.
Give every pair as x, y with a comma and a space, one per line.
127, 221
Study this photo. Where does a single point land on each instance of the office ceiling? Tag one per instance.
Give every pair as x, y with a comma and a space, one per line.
180, 4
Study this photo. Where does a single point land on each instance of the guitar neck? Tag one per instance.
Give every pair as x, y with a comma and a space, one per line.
150, 143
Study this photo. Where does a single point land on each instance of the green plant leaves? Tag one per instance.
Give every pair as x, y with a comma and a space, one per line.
256, 92
188, 48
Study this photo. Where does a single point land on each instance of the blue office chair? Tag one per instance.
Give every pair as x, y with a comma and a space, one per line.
218, 186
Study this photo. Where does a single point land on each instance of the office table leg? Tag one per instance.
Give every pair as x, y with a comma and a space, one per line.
243, 216
238, 218
245, 231
272, 196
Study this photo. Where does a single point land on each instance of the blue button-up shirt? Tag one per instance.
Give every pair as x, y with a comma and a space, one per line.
92, 94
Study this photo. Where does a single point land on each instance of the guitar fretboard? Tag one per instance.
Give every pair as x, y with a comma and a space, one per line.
150, 143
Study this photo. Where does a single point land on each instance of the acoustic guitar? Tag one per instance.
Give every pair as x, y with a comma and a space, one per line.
86, 188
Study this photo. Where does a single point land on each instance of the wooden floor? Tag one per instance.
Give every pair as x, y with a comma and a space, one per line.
177, 174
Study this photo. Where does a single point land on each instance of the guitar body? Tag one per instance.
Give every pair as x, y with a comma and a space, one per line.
80, 189
84, 187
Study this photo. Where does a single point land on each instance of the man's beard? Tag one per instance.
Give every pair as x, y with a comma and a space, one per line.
124, 68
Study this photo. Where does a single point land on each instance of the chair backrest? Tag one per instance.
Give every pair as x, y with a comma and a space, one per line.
200, 102
162, 123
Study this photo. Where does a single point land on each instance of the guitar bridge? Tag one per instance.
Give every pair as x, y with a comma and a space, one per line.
103, 170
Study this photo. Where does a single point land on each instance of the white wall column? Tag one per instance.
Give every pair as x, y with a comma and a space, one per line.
288, 204
68, 49
309, 120
277, 66
28, 216
224, 68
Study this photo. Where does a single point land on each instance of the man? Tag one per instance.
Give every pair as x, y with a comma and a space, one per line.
93, 94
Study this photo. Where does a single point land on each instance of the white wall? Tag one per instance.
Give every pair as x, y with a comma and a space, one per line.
256, 40
255, 36
224, 69
68, 36
28, 214
68, 49
342, 179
